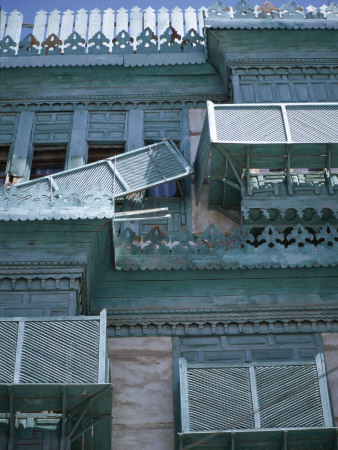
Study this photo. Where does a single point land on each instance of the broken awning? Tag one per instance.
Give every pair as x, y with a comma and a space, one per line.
89, 191
265, 136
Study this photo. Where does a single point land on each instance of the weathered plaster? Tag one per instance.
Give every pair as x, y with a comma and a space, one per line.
201, 217
141, 375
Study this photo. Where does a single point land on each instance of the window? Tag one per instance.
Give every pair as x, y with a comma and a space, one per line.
99, 152
4, 150
47, 160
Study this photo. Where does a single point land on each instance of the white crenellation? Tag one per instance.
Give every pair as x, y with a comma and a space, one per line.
53, 26
177, 20
121, 20
3, 18
190, 19
163, 20
108, 25
14, 24
136, 23
149, 19
81, 22
67, 23
94, 22
202, 12
40, 24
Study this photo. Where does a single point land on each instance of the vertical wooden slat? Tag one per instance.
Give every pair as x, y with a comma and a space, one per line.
81, 20
201, 12
254, 396
121, 20
14, 24
323, 389
94, 22
103, 357
190, 19
40, 23
135, 129
184, 395
53, 26
66, 24
108, 23
3, 18
77, 155
135, 22
18, 355
177, 20
162, 20
149, 19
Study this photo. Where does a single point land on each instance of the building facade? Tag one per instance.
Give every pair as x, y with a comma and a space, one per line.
178, 169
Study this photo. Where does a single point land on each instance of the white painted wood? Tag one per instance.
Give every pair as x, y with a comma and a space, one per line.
190, 19
163, 20
53, 26
40, 24
94, 22
149, 19
136, 24
108, 23
81, 22
201, 11
3, 18
177, 20
121, 20
67, 23
14, 25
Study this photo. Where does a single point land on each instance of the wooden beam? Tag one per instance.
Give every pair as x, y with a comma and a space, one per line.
232, 164
228, 214
226, 181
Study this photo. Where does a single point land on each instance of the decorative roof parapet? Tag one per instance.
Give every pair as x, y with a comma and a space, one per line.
148, 31
245, 248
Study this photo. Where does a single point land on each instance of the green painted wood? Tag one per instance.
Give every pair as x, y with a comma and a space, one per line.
77, 152
23, 149
135, 129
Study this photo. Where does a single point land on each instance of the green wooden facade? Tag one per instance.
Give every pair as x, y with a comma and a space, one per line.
246, 308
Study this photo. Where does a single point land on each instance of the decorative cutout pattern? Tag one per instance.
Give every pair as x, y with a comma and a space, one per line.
193, 42
170, 41
98, 44
122, 43
268, 247
52, 44
7, 46
74, 44
147, 42
29, 46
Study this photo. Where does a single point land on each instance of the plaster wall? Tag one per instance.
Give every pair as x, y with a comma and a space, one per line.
330, 346
141, 372
201, 216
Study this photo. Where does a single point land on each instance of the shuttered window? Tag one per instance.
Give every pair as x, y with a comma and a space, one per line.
254, 396
47, 161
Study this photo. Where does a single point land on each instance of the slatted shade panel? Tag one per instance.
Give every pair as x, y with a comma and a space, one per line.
213, 392
289, 396
89, 191
253, 396
36, 351
8, 340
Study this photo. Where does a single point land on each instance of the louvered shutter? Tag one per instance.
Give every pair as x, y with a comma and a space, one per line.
254, 396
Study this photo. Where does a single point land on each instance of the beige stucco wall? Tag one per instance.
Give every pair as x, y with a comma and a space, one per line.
201, 216
330, 345
141, 371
